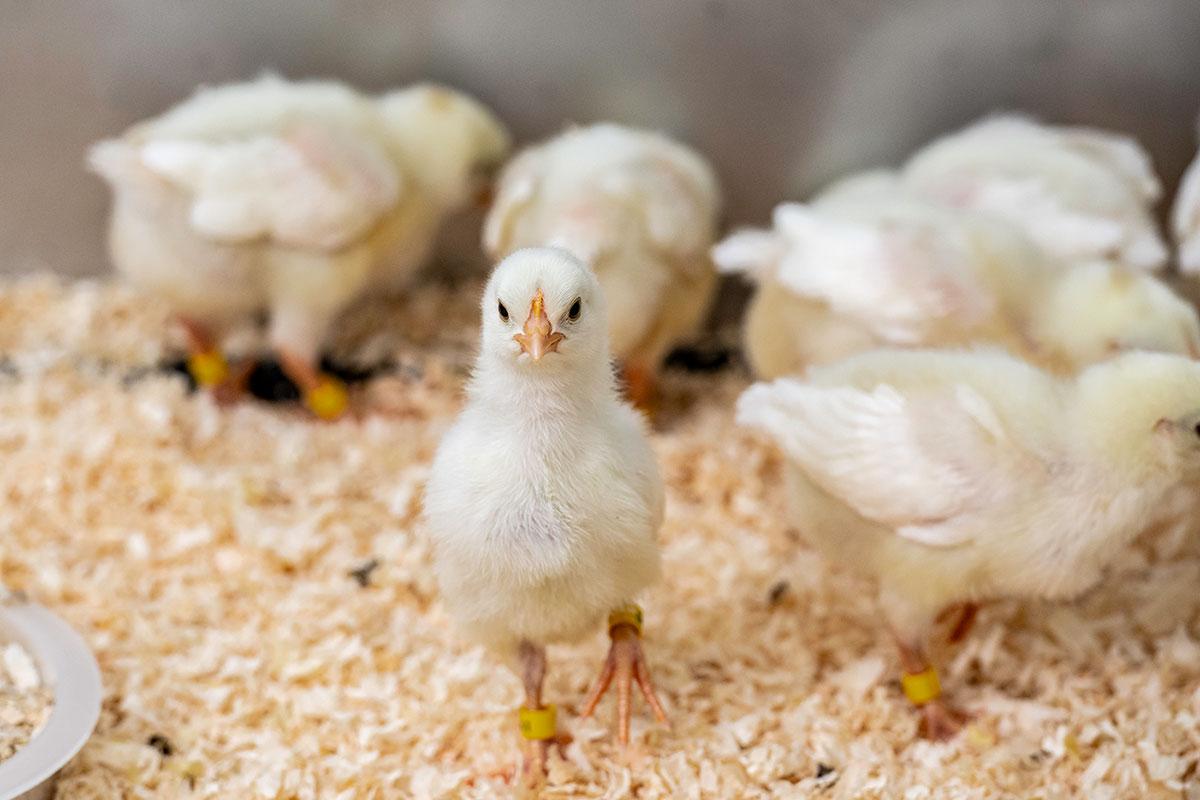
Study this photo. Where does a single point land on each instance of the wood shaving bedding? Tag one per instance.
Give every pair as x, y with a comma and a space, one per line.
25, 703
213, 558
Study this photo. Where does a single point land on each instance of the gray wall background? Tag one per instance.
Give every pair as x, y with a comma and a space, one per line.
783, 96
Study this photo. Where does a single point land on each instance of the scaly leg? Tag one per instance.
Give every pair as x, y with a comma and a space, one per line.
626, 662
921, 686
537, 721
966, 621
641, 387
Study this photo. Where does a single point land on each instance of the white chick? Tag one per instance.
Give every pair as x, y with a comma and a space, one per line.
1185, 219
1080, 193
953, 477
288, 198
544, 499
868, 264
641, 210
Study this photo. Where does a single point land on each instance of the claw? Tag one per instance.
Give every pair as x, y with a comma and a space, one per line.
626, 663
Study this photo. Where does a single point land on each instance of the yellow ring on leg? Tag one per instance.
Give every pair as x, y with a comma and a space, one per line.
921, 687
630, 614
538, 724
208, 368
328, 400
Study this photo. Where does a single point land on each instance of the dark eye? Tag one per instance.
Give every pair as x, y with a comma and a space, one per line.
576, 308
1197, 429
503, 312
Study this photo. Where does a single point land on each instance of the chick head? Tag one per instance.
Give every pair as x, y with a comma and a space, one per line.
1142, 411
543, 310
454, 144
1098, 309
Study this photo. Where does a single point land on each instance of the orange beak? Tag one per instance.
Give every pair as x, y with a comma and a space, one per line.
538, 338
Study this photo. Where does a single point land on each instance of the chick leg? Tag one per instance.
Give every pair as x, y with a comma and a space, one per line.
920, 683
533, 672
966, 620
626, 663
296, 337
640, 386
208, 366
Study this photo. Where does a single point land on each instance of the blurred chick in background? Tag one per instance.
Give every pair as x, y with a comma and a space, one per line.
544, 500
293, 199
869, 264
1185, 219
641, 210
1080, 193
953, 477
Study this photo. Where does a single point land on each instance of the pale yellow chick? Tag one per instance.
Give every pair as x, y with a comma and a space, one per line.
953, 477
1080, 193
641, 210
869, 265
291, 199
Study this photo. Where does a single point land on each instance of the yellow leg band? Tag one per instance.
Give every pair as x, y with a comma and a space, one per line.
208, 368
329, 399
538, 723
921, 687
630, 614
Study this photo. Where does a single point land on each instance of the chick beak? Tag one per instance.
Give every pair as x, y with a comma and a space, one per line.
538, 338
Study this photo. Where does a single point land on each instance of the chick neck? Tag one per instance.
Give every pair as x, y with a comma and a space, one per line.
542, 393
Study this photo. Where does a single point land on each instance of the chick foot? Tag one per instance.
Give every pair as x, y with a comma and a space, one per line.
626, 663
940, 721
324, 395
209, 367
923, 689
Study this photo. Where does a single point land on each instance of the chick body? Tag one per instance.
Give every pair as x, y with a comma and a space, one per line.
639, 208
544, 499
868, 264
952, 477
289, 198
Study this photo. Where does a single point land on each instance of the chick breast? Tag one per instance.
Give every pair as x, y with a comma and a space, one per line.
539, 537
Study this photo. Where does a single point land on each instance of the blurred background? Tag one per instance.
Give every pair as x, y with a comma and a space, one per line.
782, 95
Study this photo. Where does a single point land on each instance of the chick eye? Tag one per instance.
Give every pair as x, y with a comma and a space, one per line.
575, 310
503, 312
1197, 429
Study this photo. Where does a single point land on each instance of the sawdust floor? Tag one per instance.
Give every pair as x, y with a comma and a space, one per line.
207, 555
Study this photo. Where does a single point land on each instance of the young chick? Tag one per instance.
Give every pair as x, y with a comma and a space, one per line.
868, 264
1081, 194
641, 210
1185, 219
289, 198
952, 477
544, 499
